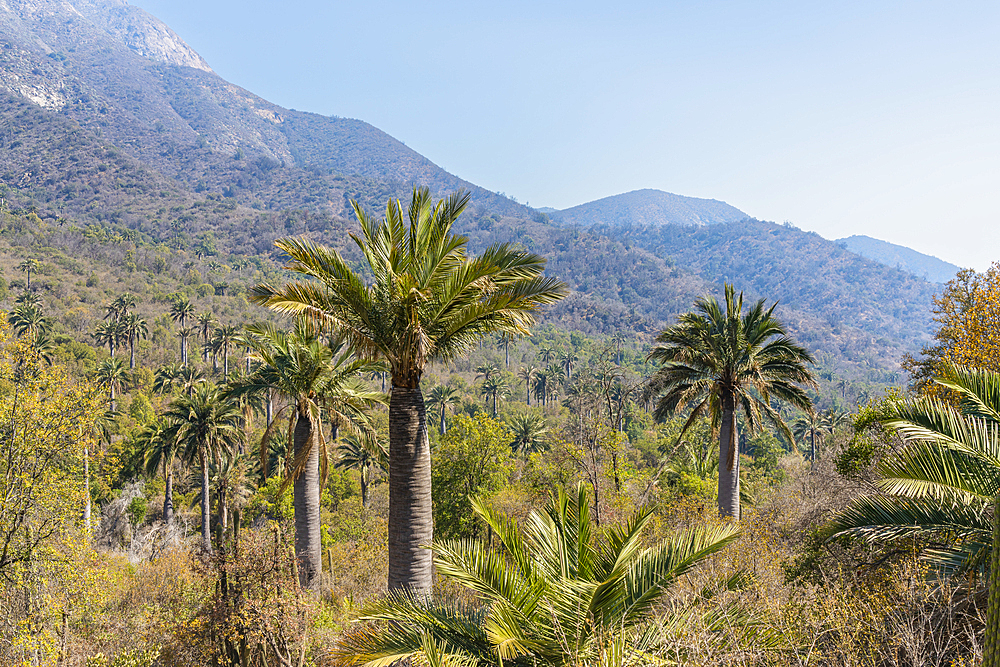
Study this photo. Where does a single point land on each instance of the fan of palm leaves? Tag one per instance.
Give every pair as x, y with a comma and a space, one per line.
940, 487
553, 593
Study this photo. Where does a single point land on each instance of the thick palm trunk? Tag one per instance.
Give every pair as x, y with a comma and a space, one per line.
131, 354
308, 543
411, 523
168, 495
206, 518
444, 427
729, 461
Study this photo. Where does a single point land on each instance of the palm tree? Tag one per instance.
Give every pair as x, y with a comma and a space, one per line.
174, 376
206, 322
29, 320
428, 300
180, 311
486, 371
551, 593
504, 341
29, 266
120, 307
206, 423
547, 354
529, 432
230, 474
495, 387
541, 386
568, 360
29, 299
112, 376
527, 374
312, 377
807, 425
222, 340
158, 441
184, 333
109, 333
443, 396
726, 361
363, 455
134, 328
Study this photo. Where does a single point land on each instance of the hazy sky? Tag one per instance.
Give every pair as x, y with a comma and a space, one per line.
876, 118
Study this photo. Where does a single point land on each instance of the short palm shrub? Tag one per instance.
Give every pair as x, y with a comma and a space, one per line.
551, 593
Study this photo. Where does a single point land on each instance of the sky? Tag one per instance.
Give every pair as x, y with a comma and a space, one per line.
874, 118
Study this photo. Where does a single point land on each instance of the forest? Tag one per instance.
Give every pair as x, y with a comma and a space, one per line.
390, 451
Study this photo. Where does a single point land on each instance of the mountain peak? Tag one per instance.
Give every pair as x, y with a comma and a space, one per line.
650, 207
54, 25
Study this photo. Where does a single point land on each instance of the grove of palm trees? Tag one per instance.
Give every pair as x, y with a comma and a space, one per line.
394, 457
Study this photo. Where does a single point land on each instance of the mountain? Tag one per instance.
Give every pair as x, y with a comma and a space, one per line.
926, 266
649, 207
117, 138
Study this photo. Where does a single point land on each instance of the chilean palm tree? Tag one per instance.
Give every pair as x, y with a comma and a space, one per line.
223, 339
176, 377
529, 431
206, 323
443, 396
314, 378
112, 375
365, 456
551, 594
427, 300
541, 386
158, 442
230, 473
725, 361
134, 328
29, 266
807, 426
109, 333
495, 387
504, 342
206, 423
29, 320
568, 359
180, 310
527, 373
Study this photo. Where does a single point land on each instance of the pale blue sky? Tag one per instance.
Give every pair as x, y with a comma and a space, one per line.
877, 118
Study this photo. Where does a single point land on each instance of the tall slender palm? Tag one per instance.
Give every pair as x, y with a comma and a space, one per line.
180, 311
206, 323
552, 593
134, 328
547, 354
504, 342
541, 386
223, 339
112, 375
365, 456
120, 307
206, 423
807, 426
486, 371
314, 378
158, 442
110, 333
443, 396
230, 473
427, 300
725, 361
527, 373
568, 359
495, 388
29, 266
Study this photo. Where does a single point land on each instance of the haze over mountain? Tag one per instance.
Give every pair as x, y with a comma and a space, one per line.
110, 122
927, 266
650, 207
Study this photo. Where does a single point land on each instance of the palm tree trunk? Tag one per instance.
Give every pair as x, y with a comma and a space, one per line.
223, 516
812, 446
364, 487
225, 362
308, 542
269, 411
131, 354
168, 494
444, 428
527, 392
729, 460
411, 525
206, 519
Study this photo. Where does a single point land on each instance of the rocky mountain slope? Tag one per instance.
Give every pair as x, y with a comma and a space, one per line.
111, 125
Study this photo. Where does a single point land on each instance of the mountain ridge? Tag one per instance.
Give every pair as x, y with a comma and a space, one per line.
649, 207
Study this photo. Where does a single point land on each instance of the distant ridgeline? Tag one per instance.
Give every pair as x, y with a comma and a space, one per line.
109, 123
926, 266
